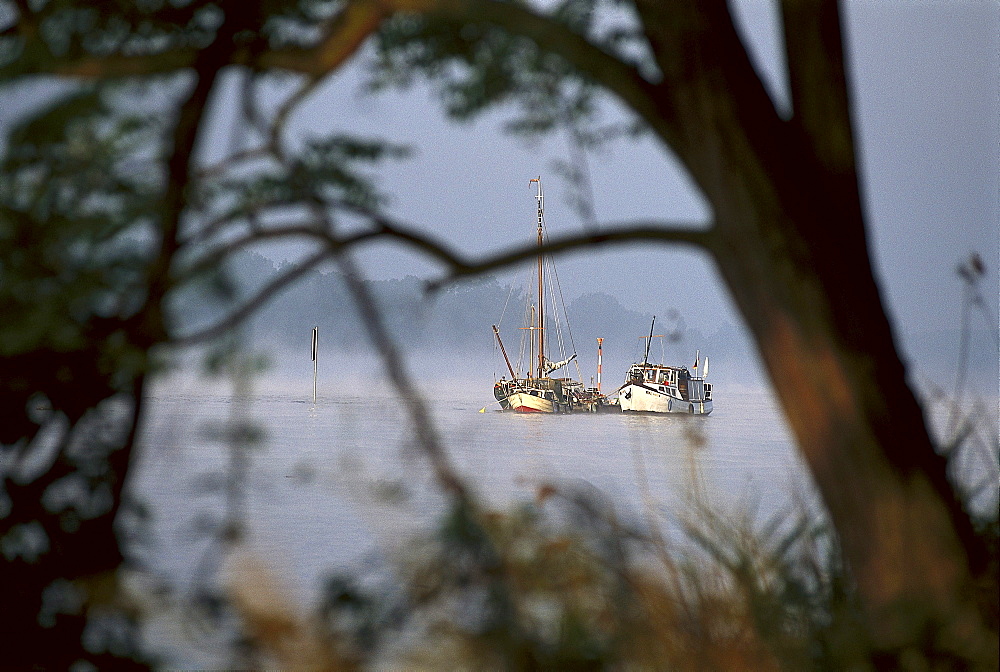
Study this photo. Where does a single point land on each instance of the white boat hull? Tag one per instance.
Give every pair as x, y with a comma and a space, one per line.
641, 399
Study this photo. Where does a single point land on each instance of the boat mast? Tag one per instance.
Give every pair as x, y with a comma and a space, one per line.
531, 340
504, 353
541, 293
645, 360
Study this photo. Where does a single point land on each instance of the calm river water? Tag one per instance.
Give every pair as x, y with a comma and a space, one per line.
332, 481
337, 483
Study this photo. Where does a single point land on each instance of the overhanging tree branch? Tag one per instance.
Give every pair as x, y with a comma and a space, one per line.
458, 266
342, 37
358, 20
618, 76
629, 235
252, 305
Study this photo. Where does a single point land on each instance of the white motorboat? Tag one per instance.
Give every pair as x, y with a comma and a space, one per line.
656, 388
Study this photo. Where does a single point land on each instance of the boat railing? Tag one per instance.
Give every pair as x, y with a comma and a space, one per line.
698, 390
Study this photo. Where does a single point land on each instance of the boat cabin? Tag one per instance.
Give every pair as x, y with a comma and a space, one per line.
673, 381
562, 390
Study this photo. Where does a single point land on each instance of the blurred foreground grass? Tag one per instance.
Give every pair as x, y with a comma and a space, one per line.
566, 583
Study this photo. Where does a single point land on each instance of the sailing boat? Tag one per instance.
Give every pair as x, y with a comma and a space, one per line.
655, 388
538, 391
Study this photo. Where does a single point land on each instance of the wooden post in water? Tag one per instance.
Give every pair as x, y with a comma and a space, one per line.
315, 358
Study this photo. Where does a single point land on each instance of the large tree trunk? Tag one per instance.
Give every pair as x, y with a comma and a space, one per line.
863, 436
792, 249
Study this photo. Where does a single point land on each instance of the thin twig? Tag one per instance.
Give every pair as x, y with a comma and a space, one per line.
252, 305
285, 111
226, 164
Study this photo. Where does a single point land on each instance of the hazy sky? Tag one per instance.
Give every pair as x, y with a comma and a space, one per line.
925, 80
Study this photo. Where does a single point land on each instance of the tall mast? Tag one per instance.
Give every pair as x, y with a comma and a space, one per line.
541, 291
531, 340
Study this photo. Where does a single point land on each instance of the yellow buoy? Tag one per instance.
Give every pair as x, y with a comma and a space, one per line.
482, 410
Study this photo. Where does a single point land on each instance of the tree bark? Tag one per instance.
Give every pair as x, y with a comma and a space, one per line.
791, 247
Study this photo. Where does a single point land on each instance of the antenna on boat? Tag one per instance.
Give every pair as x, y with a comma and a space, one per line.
645, 359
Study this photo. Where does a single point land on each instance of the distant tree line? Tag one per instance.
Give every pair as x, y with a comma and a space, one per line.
454, 319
